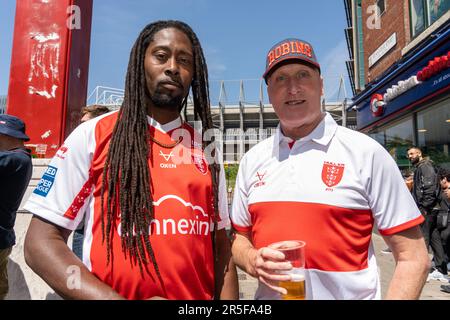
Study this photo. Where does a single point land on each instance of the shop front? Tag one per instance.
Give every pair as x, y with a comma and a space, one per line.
410, 104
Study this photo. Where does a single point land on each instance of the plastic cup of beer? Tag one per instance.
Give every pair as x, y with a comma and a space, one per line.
294, 252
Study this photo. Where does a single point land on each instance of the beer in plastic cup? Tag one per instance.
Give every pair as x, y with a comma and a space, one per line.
294, 252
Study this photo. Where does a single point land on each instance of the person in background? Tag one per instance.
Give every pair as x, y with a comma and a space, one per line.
409, 179
92, 111
426, 193
443, 221
445, 209
16, 169
445, 184
87, 113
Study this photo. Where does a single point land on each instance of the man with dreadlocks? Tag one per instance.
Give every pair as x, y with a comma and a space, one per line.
154, 226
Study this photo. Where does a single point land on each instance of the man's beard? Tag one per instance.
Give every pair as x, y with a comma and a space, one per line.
414, 160
166, 101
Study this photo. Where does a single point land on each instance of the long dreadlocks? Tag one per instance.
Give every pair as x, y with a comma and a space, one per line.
126, 175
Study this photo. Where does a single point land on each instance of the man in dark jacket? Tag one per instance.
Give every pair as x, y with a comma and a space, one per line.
443, 221
445, 207
426, 191
15, 174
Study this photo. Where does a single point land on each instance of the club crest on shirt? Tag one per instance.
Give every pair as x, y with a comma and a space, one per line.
200, 163
332, 173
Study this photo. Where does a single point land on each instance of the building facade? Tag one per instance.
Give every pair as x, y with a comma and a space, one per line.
400, 70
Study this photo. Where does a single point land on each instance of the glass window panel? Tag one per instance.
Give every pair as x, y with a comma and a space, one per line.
436, 8
433, 126
397, 138
379, 137
417, 17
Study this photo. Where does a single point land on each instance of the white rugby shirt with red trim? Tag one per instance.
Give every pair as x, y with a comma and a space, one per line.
70, 191
328, 190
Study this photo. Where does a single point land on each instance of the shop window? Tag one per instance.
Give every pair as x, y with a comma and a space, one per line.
417, 8
425, 12
436, 8
396, 138
433, 132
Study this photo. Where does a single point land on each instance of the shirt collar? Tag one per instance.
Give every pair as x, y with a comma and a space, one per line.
322, 134
164, 128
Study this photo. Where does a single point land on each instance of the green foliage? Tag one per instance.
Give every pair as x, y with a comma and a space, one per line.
439, 157
231, 171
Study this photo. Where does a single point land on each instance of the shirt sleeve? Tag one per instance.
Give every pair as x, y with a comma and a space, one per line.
240, 216
65, 188
392, 205
224, 221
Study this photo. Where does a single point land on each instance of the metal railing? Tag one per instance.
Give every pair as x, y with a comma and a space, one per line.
111, 97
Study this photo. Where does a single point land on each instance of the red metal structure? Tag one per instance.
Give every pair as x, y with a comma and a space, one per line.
49, 68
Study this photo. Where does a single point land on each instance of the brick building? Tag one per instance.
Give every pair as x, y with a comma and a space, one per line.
400, 74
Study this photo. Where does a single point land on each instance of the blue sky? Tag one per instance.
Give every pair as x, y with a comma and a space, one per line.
235, 36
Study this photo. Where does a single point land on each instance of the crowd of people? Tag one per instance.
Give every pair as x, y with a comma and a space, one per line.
430, 187
148, 227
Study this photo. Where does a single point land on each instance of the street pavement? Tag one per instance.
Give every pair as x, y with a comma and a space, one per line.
386, 263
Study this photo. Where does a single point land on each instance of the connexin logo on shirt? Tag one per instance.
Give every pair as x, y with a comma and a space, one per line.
46, 182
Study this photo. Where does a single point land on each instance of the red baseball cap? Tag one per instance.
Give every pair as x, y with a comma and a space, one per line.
289, 49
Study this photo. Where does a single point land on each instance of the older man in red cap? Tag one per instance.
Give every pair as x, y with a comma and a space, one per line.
15, 174
327, 186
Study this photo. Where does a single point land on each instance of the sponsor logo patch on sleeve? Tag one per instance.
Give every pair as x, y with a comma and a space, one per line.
46, 182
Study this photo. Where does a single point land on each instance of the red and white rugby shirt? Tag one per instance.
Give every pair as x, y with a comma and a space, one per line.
328, 190
70, 191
